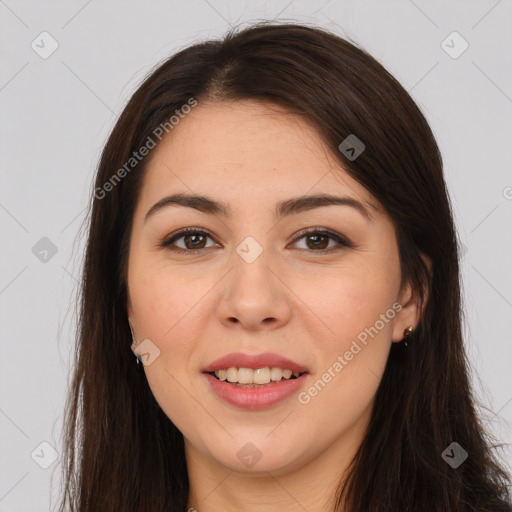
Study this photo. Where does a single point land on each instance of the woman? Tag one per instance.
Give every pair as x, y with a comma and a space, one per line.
271, 236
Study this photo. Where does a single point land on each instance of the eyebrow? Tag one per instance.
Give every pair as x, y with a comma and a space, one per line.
286, 208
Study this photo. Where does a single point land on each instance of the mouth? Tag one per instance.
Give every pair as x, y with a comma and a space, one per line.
255, 381
250, 381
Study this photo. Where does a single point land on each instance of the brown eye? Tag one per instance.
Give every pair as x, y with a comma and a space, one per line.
193, 240
318, 240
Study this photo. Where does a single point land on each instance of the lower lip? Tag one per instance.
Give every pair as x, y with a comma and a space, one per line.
255, 398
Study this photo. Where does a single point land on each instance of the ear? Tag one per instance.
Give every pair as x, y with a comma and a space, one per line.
412, 309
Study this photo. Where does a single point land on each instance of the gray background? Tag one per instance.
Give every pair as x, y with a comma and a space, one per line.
56, 114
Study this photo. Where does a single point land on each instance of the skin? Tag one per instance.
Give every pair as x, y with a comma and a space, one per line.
294, 299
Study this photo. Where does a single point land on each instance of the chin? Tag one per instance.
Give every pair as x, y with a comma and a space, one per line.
253, 454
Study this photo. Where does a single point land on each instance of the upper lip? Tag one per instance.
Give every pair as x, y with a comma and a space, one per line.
240, 360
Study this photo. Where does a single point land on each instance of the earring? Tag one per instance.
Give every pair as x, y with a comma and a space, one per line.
407, 333
134, 343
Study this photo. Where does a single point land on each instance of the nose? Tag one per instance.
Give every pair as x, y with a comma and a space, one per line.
255, 296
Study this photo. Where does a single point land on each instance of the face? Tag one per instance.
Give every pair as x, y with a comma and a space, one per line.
264, 283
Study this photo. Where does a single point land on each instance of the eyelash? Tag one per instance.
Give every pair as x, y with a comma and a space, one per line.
167, 242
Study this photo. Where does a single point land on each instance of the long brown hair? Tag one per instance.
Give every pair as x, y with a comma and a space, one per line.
122, 453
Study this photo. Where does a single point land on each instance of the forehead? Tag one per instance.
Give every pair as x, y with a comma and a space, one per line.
254, 149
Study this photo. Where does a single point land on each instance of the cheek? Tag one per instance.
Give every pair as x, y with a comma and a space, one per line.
163, 300
356, 310
167, 311
347, 301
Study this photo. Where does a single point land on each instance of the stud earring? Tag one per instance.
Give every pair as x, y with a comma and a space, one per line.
407, 333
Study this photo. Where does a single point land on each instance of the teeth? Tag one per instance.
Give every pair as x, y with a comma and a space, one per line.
232, 374
250, 376
276, 374
261, 376
245, 376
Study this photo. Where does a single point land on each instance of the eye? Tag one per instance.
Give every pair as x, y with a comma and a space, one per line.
317, 240
194, 240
